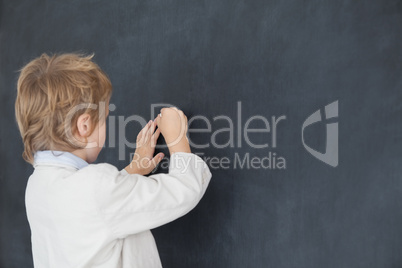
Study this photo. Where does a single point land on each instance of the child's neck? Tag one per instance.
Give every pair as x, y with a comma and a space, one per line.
81, 154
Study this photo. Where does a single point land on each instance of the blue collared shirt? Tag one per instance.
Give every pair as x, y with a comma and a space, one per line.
59, 157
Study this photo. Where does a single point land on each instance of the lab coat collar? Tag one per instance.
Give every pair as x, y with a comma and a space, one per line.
59, 158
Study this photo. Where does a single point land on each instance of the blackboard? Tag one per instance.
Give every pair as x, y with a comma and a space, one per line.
212, 59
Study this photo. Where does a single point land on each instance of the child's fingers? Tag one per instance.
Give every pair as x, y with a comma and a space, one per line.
156, 133
155, 161
140, 135
145, 128
150, 131
152, 128
155, 137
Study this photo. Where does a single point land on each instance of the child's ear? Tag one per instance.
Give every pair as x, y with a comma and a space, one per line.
84, 125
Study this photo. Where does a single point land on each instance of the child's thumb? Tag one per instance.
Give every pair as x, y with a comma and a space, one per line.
157, 159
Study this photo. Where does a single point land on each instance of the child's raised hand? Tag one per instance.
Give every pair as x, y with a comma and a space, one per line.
143, 161
173, 125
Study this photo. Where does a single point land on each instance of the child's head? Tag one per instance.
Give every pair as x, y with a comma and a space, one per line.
59, 103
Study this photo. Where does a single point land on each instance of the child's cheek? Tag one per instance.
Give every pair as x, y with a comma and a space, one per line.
102, 135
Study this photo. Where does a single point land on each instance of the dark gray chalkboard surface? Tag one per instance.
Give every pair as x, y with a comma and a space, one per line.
216, 60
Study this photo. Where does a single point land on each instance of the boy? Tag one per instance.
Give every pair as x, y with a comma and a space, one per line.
92, 215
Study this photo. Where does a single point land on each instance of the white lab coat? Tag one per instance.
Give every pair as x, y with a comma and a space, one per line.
98, 216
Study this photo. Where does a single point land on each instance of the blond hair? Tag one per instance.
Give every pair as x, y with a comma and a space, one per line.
48, 89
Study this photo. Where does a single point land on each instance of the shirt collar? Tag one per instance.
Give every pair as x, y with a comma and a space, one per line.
59, 158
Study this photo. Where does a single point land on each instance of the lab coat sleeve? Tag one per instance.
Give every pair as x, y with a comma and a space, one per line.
132, 203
